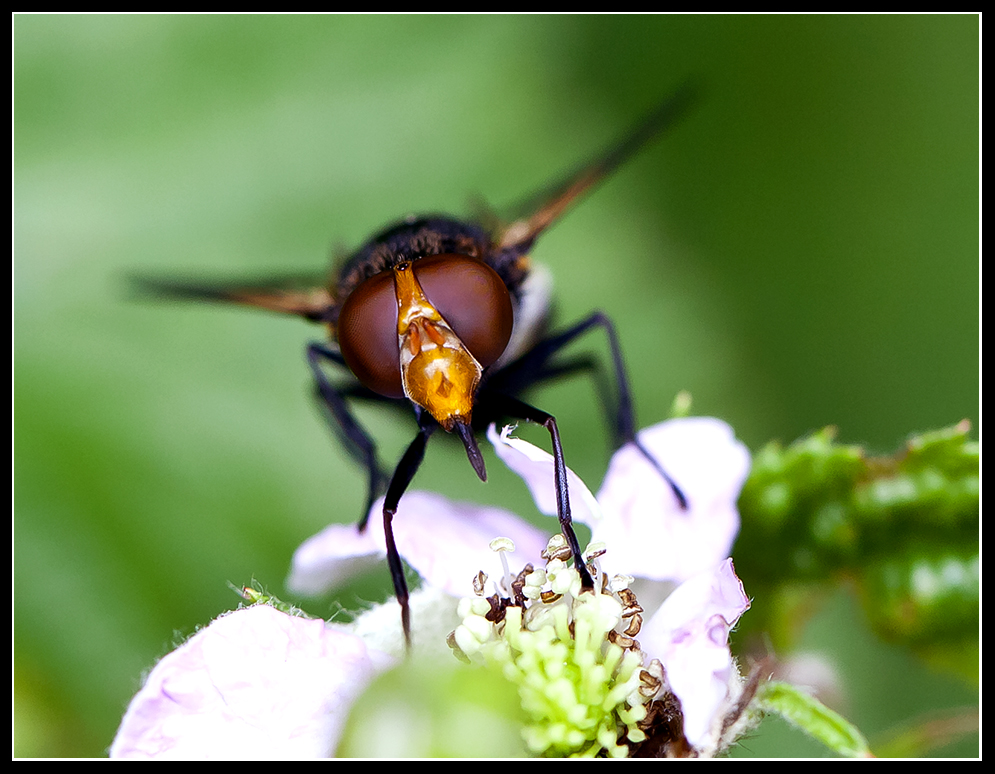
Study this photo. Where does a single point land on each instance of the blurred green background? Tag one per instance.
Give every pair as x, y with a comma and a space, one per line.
802, 250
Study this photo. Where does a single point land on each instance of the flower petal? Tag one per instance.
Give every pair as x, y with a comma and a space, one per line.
255, 684
445, 542
690, 636
334, 556
535, 466
647, 532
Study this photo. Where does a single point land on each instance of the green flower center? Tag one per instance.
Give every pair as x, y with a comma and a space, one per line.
579, 673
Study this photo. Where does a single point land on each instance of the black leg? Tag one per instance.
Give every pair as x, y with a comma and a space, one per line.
403, 473
340, 419
532, 367
516, 409
361, 446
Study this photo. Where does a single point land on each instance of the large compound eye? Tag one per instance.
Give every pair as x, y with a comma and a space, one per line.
367, 334
469, 295
472, 298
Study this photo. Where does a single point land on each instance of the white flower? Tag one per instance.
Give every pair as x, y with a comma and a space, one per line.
636, 515
259, 683
255, 684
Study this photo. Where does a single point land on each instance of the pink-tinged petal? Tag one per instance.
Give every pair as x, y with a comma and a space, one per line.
255, 684
690, 636
334, 556
446, 542
535, 466
647, 533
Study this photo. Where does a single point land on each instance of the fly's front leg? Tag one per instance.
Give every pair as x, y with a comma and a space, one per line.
625, 424
516, 409
403, 473
341, 420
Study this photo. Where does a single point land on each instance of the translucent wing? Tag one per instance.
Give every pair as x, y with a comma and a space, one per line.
305, 297
537, 213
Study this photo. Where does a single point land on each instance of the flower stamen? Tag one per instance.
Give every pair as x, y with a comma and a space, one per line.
578, 669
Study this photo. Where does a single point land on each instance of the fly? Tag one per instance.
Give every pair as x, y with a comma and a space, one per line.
440, 314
